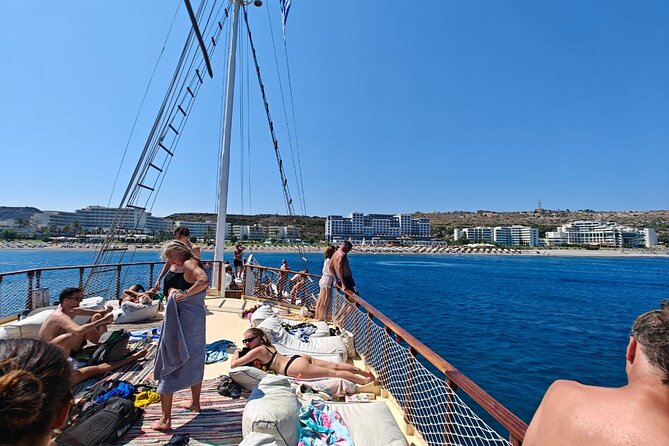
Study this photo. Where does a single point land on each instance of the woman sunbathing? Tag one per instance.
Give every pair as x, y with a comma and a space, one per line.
263, 355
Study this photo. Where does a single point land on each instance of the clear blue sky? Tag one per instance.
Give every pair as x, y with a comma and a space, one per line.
400, 107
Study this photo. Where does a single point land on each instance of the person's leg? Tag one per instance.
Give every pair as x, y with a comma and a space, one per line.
307, 370
69, 343
194, 405
341, 366
90, 371
320, 304
94, 335
165, 421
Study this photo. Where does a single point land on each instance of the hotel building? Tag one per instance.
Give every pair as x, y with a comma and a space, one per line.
515, 235
601, 233
358, 227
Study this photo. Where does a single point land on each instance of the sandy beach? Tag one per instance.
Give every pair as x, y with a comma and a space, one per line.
368, 249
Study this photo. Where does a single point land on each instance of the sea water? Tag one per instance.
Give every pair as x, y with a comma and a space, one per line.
513, 324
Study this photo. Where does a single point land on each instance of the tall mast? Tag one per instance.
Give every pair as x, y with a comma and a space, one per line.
224, 173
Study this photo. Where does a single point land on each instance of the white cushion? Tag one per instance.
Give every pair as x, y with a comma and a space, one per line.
332, 347
370, 424
273, 409
135, 313
247, 377
258, 439
262, 313
29, 326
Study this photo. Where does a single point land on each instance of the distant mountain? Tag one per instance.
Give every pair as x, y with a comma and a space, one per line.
15, 213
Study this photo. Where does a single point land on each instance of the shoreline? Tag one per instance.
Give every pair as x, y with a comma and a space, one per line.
381, 250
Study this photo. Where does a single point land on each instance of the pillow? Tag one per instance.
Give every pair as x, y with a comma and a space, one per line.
132, 312
262, 313
258, 439
370, 424
273, 409
330, 348
247, 377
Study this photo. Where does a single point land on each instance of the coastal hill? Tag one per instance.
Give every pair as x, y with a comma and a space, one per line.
545, 219
443, 223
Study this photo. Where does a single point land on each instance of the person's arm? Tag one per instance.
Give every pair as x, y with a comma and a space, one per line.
201, 282
248, 357
78, 311
196, 251
70, 326
163, 271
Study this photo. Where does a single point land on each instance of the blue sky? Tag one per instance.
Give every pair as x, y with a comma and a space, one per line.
441, 106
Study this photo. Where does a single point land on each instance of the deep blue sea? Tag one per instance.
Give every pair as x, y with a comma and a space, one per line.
513, 324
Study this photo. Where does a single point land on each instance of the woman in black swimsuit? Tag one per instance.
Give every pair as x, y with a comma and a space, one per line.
264, 356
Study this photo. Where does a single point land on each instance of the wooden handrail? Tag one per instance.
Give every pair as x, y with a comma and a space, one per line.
504, 416
59, 268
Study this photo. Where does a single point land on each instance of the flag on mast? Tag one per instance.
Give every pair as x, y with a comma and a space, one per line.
285, 8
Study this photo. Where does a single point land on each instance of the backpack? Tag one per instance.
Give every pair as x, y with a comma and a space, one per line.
112, 347
101, 423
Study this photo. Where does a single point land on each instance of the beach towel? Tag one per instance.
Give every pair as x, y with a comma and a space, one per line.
321, 425
216, 351
181, 350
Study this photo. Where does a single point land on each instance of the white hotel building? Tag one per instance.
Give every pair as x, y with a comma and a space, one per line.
601, 233
515, 235
358, 227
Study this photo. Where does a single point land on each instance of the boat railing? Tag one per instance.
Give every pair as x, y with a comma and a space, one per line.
422, 383
31, 288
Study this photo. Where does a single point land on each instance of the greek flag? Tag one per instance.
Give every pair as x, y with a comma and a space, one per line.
285, 8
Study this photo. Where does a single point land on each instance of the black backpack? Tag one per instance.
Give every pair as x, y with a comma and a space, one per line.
101, 423
112, 347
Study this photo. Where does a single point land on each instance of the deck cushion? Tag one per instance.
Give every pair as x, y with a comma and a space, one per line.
273, 409
331, 348
135, 313
370, 424
247, 377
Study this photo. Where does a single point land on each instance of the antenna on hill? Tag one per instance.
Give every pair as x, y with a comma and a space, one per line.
539, 207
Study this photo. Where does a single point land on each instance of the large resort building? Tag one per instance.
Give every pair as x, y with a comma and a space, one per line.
99, 218
515, 235
360, 228
601, 233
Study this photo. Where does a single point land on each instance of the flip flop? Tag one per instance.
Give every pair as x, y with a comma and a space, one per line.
178, 440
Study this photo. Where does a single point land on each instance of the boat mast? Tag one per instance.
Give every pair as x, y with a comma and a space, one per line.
224, 173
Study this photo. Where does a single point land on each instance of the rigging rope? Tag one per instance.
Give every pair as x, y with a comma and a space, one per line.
285, 115
284, 180
167, 128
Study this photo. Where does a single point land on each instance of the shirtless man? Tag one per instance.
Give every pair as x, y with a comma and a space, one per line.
238, 259
636, 414
342, 269
60, 328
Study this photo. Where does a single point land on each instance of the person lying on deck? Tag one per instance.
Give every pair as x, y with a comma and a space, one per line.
263, 355
61, 330
636, 414
35, 393
136, 294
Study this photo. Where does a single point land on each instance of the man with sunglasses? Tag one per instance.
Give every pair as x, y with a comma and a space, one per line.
636, 414
61, 330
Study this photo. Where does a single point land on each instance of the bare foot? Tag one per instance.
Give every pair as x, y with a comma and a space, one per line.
160, 425
192, 407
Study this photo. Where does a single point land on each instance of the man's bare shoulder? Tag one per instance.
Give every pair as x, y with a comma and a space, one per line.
574, 413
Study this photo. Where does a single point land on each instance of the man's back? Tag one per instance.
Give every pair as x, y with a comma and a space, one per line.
575, 414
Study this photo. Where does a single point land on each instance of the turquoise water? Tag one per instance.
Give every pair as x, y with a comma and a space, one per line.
513, 324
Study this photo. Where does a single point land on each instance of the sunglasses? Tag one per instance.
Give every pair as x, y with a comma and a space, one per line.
247, 340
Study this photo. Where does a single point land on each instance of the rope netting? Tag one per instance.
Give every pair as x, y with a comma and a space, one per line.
430, 405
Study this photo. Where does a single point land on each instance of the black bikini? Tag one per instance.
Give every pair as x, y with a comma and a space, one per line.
290, 361
265, 366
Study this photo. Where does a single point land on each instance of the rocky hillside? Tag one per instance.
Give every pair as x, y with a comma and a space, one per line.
443, 223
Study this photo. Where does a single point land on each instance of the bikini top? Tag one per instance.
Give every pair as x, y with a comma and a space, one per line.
266, 366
